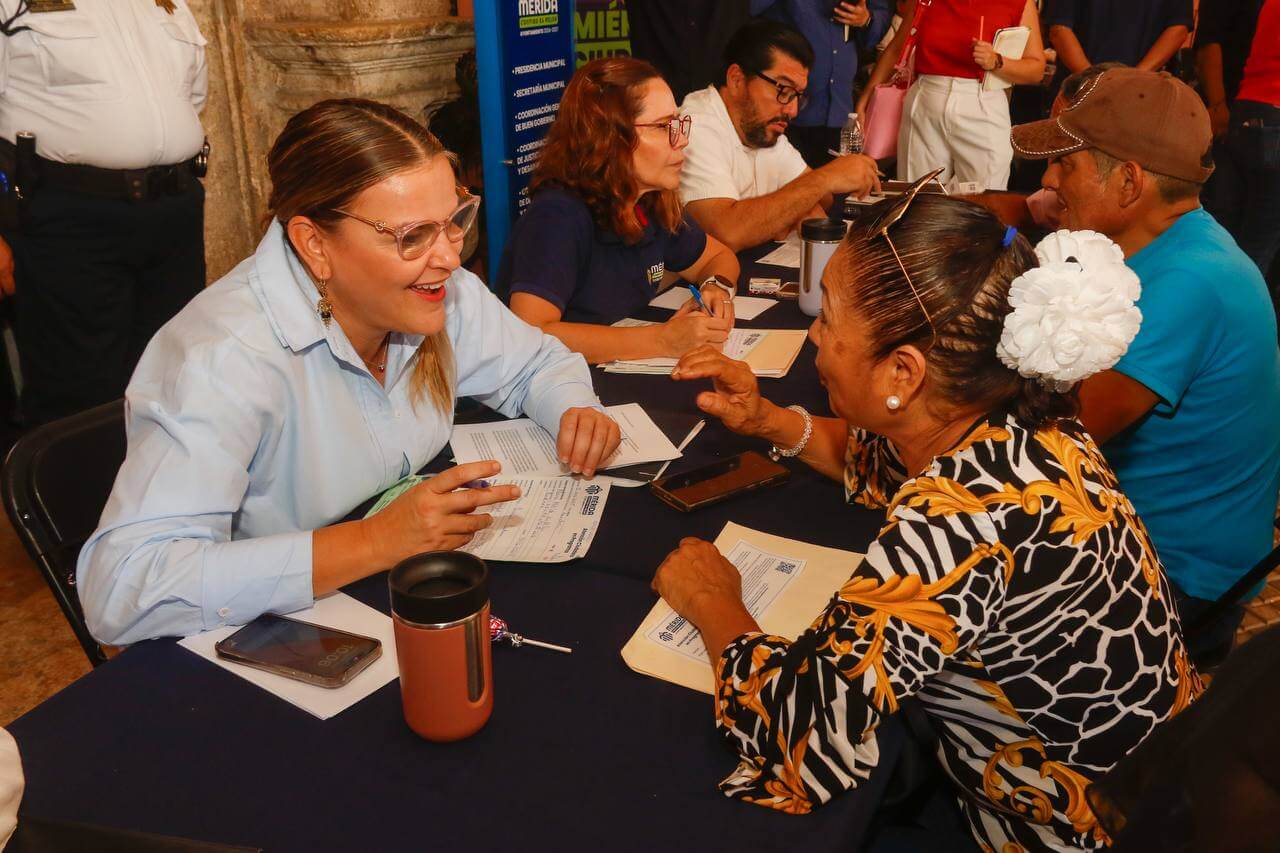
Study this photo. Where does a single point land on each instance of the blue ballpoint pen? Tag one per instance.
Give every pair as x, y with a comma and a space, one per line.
697, 297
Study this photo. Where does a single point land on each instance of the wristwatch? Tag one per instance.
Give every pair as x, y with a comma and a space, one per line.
999, 62
722, 283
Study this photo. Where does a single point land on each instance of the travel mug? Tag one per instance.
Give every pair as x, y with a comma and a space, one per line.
818, 241
440, 613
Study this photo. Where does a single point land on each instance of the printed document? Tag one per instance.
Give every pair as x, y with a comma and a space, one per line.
769, 352
785, 586
764, 577
526, 449
554, 519
786, 255
744, 307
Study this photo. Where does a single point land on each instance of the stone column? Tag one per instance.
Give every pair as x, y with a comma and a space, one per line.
270, 58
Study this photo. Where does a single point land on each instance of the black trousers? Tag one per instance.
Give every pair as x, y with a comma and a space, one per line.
96, 278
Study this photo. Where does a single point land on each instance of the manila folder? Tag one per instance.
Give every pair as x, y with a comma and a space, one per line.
824, 571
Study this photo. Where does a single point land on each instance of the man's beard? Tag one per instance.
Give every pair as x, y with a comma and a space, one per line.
756, 131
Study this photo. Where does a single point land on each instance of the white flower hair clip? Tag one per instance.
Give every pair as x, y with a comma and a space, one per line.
1074, 315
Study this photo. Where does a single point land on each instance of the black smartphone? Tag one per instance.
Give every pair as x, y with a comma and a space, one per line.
690, 490
295, 649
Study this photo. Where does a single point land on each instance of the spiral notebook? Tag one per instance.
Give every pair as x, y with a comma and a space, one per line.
1011, 43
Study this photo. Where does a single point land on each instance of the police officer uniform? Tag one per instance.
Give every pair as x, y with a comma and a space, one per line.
109, 243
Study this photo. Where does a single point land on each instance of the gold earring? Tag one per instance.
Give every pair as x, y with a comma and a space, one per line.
323, 306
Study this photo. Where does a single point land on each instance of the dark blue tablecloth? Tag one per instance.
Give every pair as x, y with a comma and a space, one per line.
581, 753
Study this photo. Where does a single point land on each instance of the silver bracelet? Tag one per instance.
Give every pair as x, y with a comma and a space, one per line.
776, 452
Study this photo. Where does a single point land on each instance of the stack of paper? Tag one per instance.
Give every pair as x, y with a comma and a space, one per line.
680, 427
526, 449
786, 255
785, 585
769, 352
744, 307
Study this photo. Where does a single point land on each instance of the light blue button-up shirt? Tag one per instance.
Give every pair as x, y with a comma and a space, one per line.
251, 423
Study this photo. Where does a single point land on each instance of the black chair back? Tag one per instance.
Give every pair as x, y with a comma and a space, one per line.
55, 483
1208, 779
1236, 594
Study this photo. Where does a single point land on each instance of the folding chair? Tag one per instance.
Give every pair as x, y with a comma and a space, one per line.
55, 483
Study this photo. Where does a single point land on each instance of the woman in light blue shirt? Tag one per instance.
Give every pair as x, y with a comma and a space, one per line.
318, 372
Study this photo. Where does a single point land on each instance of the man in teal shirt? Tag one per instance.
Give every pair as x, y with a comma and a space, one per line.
1190, 416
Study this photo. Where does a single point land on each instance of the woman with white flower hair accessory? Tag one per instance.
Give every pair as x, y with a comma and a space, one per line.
1012, 591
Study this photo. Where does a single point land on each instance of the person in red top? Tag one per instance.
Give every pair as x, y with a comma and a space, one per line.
1246, 187
947, 119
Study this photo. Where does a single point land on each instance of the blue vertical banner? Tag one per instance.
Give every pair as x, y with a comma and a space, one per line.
524, 57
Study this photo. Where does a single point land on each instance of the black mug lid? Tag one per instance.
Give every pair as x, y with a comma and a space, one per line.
439, 587
823, 230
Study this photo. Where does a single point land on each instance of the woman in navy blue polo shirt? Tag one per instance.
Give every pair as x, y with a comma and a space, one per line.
606, 228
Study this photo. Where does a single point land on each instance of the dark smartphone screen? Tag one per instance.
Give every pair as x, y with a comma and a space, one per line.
281, 643
721, 479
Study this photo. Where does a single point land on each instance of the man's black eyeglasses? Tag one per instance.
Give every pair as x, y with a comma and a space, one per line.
786, 92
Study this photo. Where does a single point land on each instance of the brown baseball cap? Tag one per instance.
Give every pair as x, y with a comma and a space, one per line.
1151, 118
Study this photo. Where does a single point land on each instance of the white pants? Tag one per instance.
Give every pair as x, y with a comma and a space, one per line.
950, 122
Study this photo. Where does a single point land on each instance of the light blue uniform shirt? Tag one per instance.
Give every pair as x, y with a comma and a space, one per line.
250, 424
1203, 468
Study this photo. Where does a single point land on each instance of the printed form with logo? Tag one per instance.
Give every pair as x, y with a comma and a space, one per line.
557, 515
553, 520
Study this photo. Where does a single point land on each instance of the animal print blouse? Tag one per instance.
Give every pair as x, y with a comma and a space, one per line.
1014, 592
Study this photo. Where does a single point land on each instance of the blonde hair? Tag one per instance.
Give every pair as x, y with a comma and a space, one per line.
330, 153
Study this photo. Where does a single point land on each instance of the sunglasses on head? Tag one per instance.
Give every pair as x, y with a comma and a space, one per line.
894, 216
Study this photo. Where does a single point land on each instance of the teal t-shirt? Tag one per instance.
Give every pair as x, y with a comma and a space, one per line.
1203, 467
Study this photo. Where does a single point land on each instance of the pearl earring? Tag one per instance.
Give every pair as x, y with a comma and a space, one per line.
893, 402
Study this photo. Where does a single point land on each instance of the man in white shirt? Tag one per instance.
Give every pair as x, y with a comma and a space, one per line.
742, 181
108, 241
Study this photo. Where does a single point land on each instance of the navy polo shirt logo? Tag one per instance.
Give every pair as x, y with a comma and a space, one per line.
656, 272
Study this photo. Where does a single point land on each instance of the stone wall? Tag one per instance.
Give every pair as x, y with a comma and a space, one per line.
270, 58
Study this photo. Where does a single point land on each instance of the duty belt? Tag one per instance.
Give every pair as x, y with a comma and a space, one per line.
129, 184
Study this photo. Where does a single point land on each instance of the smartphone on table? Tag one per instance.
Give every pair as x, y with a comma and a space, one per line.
690, 490
295, 649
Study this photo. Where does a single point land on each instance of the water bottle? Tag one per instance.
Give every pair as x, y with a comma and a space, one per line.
851, 136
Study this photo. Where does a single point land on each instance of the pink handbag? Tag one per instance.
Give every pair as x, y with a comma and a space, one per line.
884, 109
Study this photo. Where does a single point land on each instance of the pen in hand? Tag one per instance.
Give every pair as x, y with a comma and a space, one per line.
697, 297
